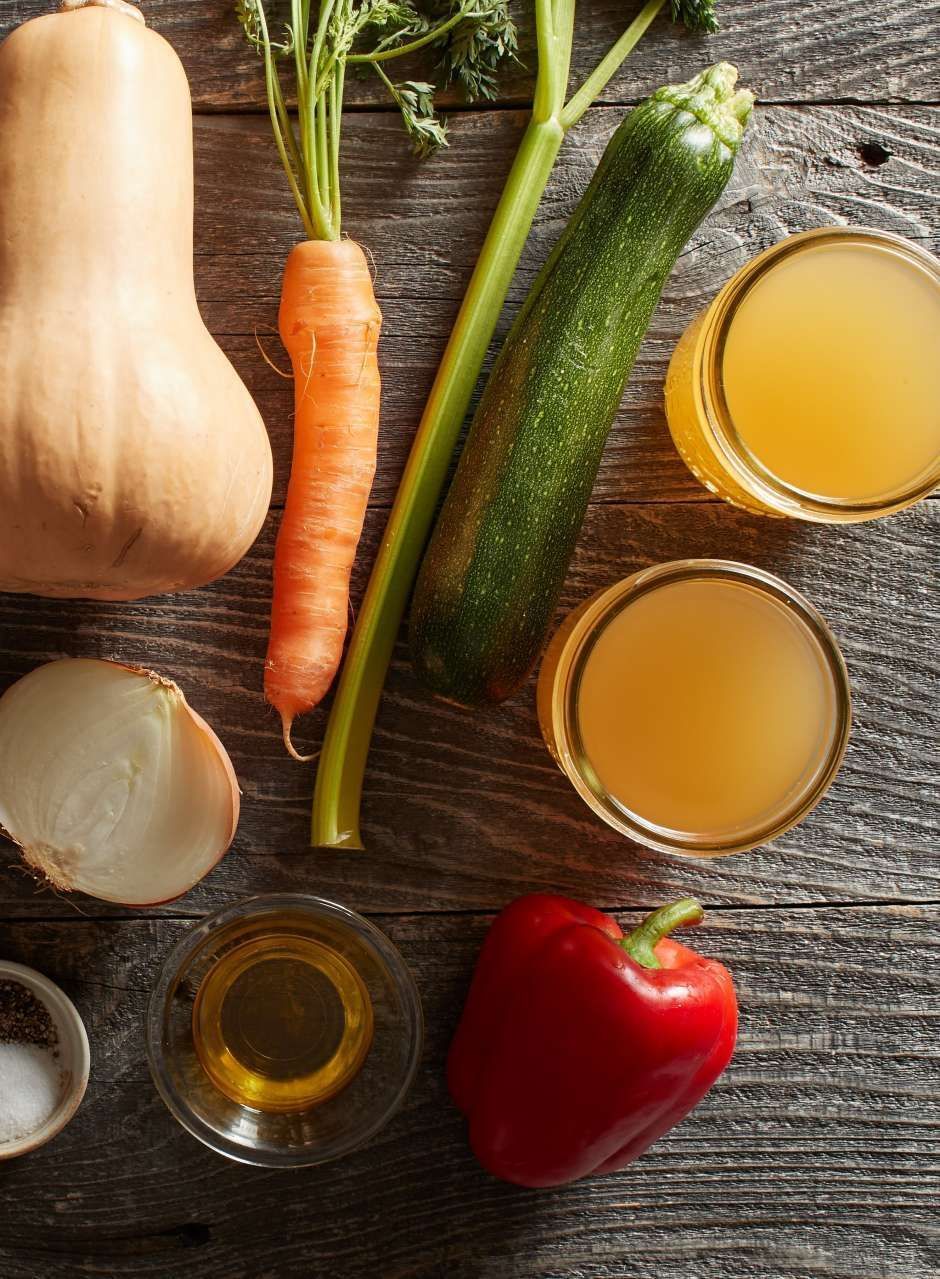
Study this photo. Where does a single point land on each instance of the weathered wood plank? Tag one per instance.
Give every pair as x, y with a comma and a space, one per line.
813, 1158
816, 1157
467, 812
800, 168
791, 51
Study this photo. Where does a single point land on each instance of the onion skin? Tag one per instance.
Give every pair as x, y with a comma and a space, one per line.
60, 882
217, 746
229, 769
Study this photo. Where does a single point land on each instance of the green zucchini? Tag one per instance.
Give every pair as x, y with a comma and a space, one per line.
497, 559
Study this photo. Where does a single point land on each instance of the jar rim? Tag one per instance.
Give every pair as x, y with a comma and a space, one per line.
716, 416
572, 661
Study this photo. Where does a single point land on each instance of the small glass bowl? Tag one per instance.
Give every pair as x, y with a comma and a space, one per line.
331, 1128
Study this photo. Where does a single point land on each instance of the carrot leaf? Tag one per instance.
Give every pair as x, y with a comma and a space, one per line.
697, 15
415, 101
466, 40
472, 53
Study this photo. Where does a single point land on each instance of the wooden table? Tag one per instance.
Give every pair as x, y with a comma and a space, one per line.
817, 1154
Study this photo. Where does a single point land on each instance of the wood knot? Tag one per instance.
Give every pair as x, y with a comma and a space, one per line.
874, 154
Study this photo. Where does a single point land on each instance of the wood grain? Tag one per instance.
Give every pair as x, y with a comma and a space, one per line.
792, 51
465, 812
799, 169
814, 1157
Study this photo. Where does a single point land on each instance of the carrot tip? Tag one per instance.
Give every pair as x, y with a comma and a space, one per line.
287, 721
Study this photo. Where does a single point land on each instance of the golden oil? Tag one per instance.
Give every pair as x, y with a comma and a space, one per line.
282, 1021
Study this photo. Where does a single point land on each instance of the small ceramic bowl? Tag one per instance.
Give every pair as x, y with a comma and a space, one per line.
74, 1056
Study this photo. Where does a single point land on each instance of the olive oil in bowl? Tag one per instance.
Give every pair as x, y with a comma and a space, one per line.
282, 1022
284, 1031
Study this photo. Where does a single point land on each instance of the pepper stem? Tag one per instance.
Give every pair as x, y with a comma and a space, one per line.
641, 944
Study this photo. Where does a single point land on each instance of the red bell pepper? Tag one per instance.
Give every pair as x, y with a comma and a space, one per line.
578, 1046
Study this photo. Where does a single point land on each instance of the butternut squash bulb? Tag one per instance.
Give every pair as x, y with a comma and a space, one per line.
132, 458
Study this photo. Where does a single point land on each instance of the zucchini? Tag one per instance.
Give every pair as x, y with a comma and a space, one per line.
497, 559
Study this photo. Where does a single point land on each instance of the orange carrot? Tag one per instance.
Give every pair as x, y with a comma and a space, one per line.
329, 320
329, 323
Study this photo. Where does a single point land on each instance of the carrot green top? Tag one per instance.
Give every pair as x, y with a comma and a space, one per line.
468, 40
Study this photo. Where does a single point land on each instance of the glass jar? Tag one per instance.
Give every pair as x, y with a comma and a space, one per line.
700, 707
839, 327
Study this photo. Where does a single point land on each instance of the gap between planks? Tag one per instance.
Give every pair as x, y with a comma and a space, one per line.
724, 908
385, 504
525, 104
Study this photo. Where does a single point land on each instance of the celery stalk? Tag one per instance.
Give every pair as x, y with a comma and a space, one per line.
345, 749
349, 729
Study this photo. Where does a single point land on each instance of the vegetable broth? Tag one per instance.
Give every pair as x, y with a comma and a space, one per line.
282, 1022
700, 707
831, 375
810, 387
703, 704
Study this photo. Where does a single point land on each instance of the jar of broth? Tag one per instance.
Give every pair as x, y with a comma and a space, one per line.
810, 386
699, 707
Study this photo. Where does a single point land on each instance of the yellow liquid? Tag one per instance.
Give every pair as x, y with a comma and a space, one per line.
831, 372
282, 1022
809, 387
707, 707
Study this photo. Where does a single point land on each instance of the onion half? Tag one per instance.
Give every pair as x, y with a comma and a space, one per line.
111, 784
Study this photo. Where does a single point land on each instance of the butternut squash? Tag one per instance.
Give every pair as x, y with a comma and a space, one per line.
132, 458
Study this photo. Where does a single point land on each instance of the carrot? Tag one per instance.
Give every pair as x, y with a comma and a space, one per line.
329, 323
329, 320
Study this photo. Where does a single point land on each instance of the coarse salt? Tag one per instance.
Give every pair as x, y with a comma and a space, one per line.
30, 1089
